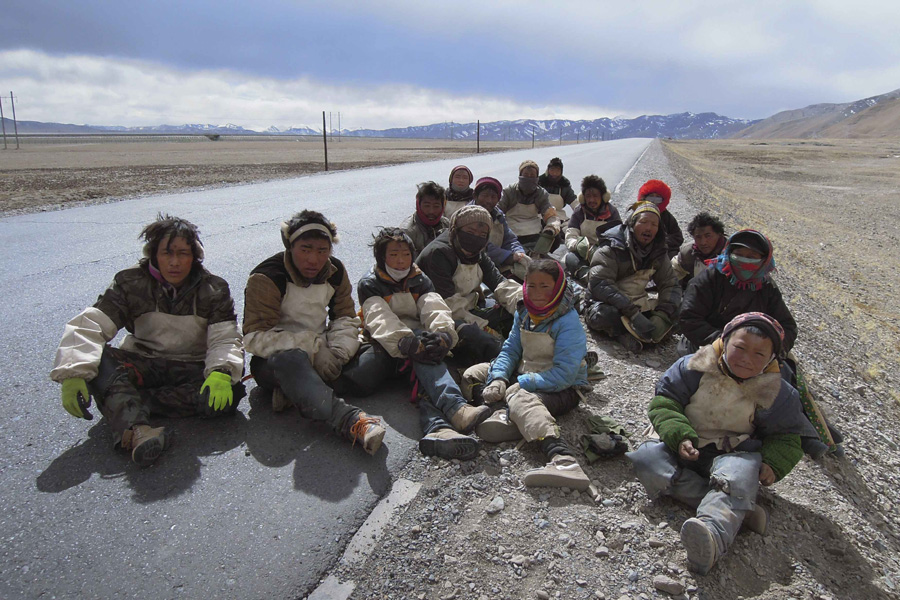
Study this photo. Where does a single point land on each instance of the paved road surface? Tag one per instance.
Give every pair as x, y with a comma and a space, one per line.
257, 506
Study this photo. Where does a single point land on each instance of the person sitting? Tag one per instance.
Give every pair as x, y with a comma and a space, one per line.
503, 246
617, 302
709, 241
301, 326
428, 221
529, 212
659, 193
559, 187
182, 355
459, 192
727, 423
537, 376
594, 212
457, 265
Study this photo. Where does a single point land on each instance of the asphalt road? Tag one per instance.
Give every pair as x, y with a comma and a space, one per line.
258, 506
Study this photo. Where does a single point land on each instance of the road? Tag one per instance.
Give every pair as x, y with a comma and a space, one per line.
258, 506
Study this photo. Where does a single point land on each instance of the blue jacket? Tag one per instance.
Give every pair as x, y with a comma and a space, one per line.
569, 368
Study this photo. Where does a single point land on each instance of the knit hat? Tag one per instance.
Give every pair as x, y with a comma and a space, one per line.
489, 182
468, 214
655, 186
642, 207
770, 326
528, 163
461, 168
554, 162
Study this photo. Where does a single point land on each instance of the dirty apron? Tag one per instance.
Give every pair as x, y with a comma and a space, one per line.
306, 309
466, 281
404, 306
537, 351
496, 235
174, 337
635, 288
524, 219
589, 230
526, 409
557, 202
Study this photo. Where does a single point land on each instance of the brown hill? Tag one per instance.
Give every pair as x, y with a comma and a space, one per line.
875, 117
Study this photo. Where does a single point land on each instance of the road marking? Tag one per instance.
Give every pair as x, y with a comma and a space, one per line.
633, 167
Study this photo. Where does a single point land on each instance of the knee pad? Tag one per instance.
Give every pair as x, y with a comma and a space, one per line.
531, 416
655, 466
737, 474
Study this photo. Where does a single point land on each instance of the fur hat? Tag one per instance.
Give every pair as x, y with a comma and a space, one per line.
555, 162
489, 182
461, 168
655, 186
468, 214
528, 163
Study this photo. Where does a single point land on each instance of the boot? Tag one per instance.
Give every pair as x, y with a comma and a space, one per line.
368, 431
279, 400
700, 545
467, 417
146, 443
449, 444
631, 343
562, 471
757, 520
498, 428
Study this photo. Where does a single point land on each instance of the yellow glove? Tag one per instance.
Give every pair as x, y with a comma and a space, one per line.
219, 390
71, 389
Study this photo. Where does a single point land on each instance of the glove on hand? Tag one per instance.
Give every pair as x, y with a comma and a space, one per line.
71, 389
582, 246
437, 345
218, 388
326, 364
414, 348
642, 326
495, 391
661, 326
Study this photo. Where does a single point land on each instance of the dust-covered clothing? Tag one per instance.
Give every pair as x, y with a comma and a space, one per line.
560, 191
582, 234
502, 242
422, 234
528, 214
690, 262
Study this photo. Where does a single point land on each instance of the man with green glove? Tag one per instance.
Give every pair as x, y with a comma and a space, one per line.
182, 355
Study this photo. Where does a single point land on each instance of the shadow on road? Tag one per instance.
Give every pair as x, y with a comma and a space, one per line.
173, 474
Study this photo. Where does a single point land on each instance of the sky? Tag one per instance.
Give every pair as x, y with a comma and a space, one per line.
398, 63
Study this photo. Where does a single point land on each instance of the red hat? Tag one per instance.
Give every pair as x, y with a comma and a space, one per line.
655, 186
489, 182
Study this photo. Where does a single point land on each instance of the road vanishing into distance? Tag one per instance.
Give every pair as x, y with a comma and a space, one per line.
257, 506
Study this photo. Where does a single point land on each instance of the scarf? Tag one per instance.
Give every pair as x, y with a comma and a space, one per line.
425, 220
463, 196
603, 213
743, 276
540, 313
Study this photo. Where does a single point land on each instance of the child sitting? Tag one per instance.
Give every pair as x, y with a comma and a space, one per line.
538, 373
728, 422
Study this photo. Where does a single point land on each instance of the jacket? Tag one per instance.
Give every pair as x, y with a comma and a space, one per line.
519, 220
762, 414
284, 311
198, 324
392, 310
613, 261
576, 229
570, 347
459, 282
562, 187
687, 264
420, 233
710, 302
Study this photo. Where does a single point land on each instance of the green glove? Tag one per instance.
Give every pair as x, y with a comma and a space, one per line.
582, 246
71, 388
220, 392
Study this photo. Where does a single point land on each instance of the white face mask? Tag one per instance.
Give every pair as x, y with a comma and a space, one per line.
458, 188
397, 275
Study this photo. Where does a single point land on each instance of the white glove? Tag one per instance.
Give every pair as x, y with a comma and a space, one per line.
495, 391
326, 364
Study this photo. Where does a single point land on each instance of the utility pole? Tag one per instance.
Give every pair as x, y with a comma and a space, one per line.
3, 123
339, 126
532, 137
478, 137
451, 131
577, 137
325, 139
560, 135
12, 101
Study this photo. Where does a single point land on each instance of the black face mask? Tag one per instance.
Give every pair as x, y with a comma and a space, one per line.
473, 244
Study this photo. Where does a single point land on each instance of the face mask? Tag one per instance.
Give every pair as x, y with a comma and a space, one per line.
397, 275
458, 188
744, 268
473, 244
528, 184
654, 199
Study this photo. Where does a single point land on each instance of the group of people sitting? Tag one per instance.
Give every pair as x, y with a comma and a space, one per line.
466, 301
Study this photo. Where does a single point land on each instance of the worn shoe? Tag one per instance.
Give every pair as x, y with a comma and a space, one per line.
498, 428
449, 444
700, 545
562, 471
279, 400
146, 443
368, 431
757, 520
468, 417
631, 343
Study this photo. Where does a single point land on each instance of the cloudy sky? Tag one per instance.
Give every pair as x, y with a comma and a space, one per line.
414, 62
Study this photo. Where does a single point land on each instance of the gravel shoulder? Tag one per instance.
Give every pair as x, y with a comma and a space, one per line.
835, 525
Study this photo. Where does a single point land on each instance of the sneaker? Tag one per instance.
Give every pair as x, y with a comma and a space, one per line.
631, 343
700, 545
449, 444
468, 417
498, 428
757, 520
368, 431
146, 443
279, 400
562, 471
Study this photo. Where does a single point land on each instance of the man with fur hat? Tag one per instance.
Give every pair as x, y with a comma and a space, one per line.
503, 246
459, 191
182, 355
593, 215
727, 423
559, 187
457, 264
617, 303
301, 326
659, 193
428, 221
529, 212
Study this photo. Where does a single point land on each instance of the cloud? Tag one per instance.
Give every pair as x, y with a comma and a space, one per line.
104, 91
